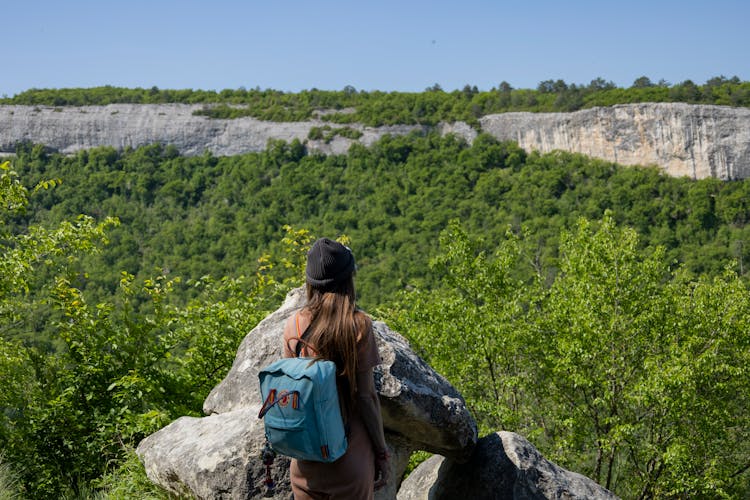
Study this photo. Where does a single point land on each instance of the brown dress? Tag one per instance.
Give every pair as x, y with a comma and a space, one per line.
352, 476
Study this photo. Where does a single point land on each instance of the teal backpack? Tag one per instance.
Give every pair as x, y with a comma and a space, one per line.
301, 412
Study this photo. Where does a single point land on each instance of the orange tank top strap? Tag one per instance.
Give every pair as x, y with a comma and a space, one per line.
298, 351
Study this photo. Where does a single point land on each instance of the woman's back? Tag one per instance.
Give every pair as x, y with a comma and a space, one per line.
331, 327
353, 474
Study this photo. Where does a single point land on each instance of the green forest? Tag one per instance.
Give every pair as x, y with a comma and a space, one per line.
375, 108
601, 311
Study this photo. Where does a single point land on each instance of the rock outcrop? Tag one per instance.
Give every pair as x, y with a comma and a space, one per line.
70, 129
218, 456
697, 141
683, 139
417, 403
504, 466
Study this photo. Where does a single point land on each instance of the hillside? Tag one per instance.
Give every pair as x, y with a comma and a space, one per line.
209, 215
112, 330
602, 310
563, 322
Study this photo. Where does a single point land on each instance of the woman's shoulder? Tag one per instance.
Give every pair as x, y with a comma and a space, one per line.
299, 319
367, 350
362, 320
363, 323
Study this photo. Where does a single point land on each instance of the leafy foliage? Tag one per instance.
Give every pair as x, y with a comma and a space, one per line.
389, 108
620, 352
122, 369
124, 373
480, 296
619, 368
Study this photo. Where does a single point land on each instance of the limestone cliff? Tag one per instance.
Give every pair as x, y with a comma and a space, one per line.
69, 129
685, 140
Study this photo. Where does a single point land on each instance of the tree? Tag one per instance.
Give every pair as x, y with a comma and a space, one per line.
552, 86
598, 324
25, 368
475, 314
600, 84
686, 91
468, 91
505, 87
642, 82
639, 368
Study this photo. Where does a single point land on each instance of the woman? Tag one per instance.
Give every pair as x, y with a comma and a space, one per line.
331, 327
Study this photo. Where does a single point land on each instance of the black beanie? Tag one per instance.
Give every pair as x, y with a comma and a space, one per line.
328, 263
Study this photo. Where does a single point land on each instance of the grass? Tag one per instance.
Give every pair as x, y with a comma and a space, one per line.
10, 487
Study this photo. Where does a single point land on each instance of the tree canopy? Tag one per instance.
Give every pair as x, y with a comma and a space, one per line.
621, 368
196, 216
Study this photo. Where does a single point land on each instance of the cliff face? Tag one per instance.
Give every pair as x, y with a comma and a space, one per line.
684, 140
69, 129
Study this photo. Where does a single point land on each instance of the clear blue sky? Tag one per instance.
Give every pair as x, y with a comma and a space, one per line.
379, 45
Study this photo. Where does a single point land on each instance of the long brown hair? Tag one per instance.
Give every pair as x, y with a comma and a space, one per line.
335, 327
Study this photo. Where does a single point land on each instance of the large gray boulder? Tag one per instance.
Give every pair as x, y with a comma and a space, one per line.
214, 457
418, 404
218, 456
503, 466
